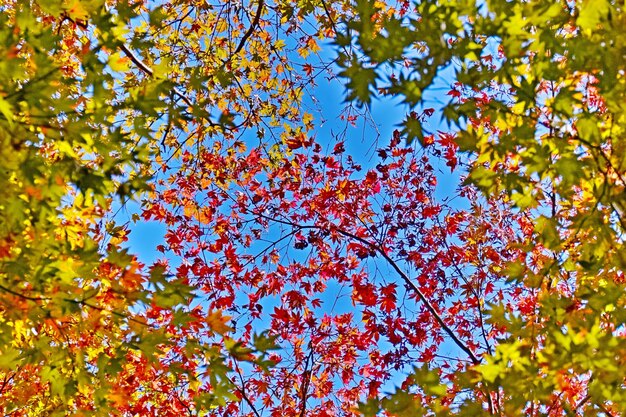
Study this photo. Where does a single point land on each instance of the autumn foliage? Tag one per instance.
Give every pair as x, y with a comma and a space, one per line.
299, 275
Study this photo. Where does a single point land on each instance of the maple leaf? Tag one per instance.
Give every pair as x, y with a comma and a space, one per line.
388, 298
218, 322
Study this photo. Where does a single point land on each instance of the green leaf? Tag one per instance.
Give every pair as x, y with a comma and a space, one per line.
547, 229
412, 128
429, 381
7, 111
264, 342
370, 408
9, 358
402, 404
361, 81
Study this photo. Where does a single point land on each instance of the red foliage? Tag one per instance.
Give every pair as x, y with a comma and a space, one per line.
357, 272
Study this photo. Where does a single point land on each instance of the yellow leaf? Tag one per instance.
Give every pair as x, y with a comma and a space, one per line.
592, 13
77, 11
119, 63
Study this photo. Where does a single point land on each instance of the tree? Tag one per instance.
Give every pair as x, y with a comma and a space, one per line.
537, 101
297, 279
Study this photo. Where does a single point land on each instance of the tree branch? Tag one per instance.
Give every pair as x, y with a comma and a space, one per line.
242, 391
306, 380
418, 292
253, 25
149, 72
420, 295
471, 288
77, 302
24, 296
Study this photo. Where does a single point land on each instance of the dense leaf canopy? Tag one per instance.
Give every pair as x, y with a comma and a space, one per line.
299, 276
538, 103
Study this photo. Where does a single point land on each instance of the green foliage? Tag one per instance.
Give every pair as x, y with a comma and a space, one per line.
70, 297
538, 105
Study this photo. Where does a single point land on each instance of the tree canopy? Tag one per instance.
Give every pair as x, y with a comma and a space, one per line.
298, 275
